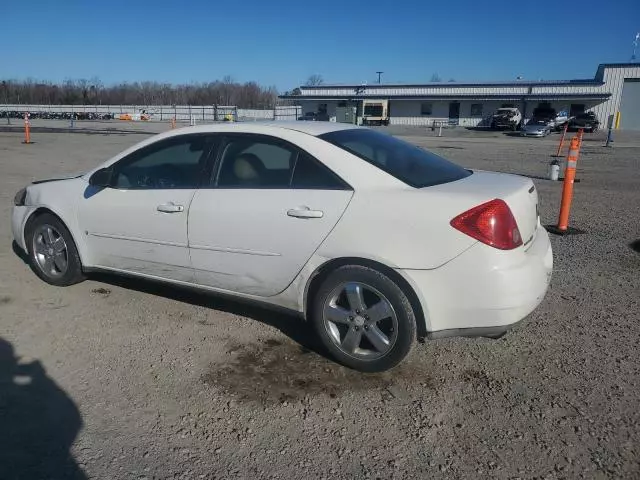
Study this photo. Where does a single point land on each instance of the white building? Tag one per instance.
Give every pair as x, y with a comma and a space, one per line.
615, 88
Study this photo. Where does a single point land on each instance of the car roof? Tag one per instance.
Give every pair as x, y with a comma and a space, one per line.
310, 128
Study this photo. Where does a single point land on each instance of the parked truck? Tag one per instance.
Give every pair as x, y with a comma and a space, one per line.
506, 117
375, 112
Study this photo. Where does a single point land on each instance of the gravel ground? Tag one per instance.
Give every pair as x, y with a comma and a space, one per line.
117, 378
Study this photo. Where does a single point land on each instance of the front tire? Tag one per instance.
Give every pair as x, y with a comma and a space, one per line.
53, 255
364, 319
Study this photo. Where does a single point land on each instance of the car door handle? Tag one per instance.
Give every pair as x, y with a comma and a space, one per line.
305, 212
170, 208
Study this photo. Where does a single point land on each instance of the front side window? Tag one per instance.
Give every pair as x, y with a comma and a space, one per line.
177, 162
262, 162
406, 162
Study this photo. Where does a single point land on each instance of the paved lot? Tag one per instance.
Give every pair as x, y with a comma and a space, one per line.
142, 381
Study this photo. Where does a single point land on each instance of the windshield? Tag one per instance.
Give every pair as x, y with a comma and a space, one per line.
505, 110
406, 162
536, 122
373, 110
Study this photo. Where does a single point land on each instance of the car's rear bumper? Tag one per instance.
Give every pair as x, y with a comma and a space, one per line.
484, 291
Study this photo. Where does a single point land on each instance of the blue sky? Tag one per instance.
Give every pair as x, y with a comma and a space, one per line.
282, 42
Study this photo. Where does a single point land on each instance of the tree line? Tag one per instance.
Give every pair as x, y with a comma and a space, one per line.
94, 92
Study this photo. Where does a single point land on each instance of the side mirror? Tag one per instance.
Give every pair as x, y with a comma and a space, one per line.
101, 178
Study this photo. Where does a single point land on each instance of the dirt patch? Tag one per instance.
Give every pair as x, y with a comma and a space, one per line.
5, 299
479, 378
101, 291
275, 371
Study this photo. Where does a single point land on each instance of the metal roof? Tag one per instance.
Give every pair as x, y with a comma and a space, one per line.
620, 65
511, 83
470, 96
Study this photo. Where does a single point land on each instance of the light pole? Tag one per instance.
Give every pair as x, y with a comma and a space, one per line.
379, 76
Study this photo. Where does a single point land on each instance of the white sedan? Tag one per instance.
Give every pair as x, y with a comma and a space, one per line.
370, 239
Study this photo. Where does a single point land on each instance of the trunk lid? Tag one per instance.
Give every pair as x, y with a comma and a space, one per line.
518, 192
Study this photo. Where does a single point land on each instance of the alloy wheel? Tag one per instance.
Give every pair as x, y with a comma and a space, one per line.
50, 251
360, 321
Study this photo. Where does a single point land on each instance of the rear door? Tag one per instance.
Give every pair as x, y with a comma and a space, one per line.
269, 207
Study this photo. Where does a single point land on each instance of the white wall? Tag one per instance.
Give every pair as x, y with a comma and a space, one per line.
408, 112
166, 112
614, 83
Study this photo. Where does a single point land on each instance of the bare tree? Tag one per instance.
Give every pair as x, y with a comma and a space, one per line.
315, 79
93, 91
435, 78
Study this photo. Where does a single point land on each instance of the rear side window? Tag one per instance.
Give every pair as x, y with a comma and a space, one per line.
259, 162
406, 162
309, 174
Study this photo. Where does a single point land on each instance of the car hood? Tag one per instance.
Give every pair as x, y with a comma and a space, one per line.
57, 179
534, 128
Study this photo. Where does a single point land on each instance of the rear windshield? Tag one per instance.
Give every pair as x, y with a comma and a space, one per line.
408, 163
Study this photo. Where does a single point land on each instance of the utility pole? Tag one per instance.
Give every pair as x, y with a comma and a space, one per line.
379, 76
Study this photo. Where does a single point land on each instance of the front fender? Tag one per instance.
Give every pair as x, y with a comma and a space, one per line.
61, 198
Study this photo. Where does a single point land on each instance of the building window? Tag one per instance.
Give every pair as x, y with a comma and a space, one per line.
476, 109
426, 109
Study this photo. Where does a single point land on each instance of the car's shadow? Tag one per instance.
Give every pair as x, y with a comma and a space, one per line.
285, 321
291, 325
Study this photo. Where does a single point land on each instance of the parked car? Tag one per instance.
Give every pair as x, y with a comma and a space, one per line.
587, 120
314, 117
555, 120
507, 117
308, 117
536, 128
372, 240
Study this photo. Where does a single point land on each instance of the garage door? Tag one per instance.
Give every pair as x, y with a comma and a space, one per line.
630, 105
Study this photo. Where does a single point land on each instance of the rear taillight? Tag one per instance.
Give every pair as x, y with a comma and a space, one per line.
491, 223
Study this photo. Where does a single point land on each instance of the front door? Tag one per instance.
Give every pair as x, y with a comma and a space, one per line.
269, 208
454, 113
139, 223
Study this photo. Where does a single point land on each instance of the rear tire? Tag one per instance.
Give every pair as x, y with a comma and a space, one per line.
363, 318
53, 255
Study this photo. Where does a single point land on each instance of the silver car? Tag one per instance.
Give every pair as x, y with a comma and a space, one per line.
536, 128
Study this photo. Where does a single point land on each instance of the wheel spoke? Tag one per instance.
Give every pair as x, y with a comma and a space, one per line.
378, 339
379, 311
60, 262
58, 245
352, 340
336, 314
48, 265
355, 296
49, 236
40, 247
